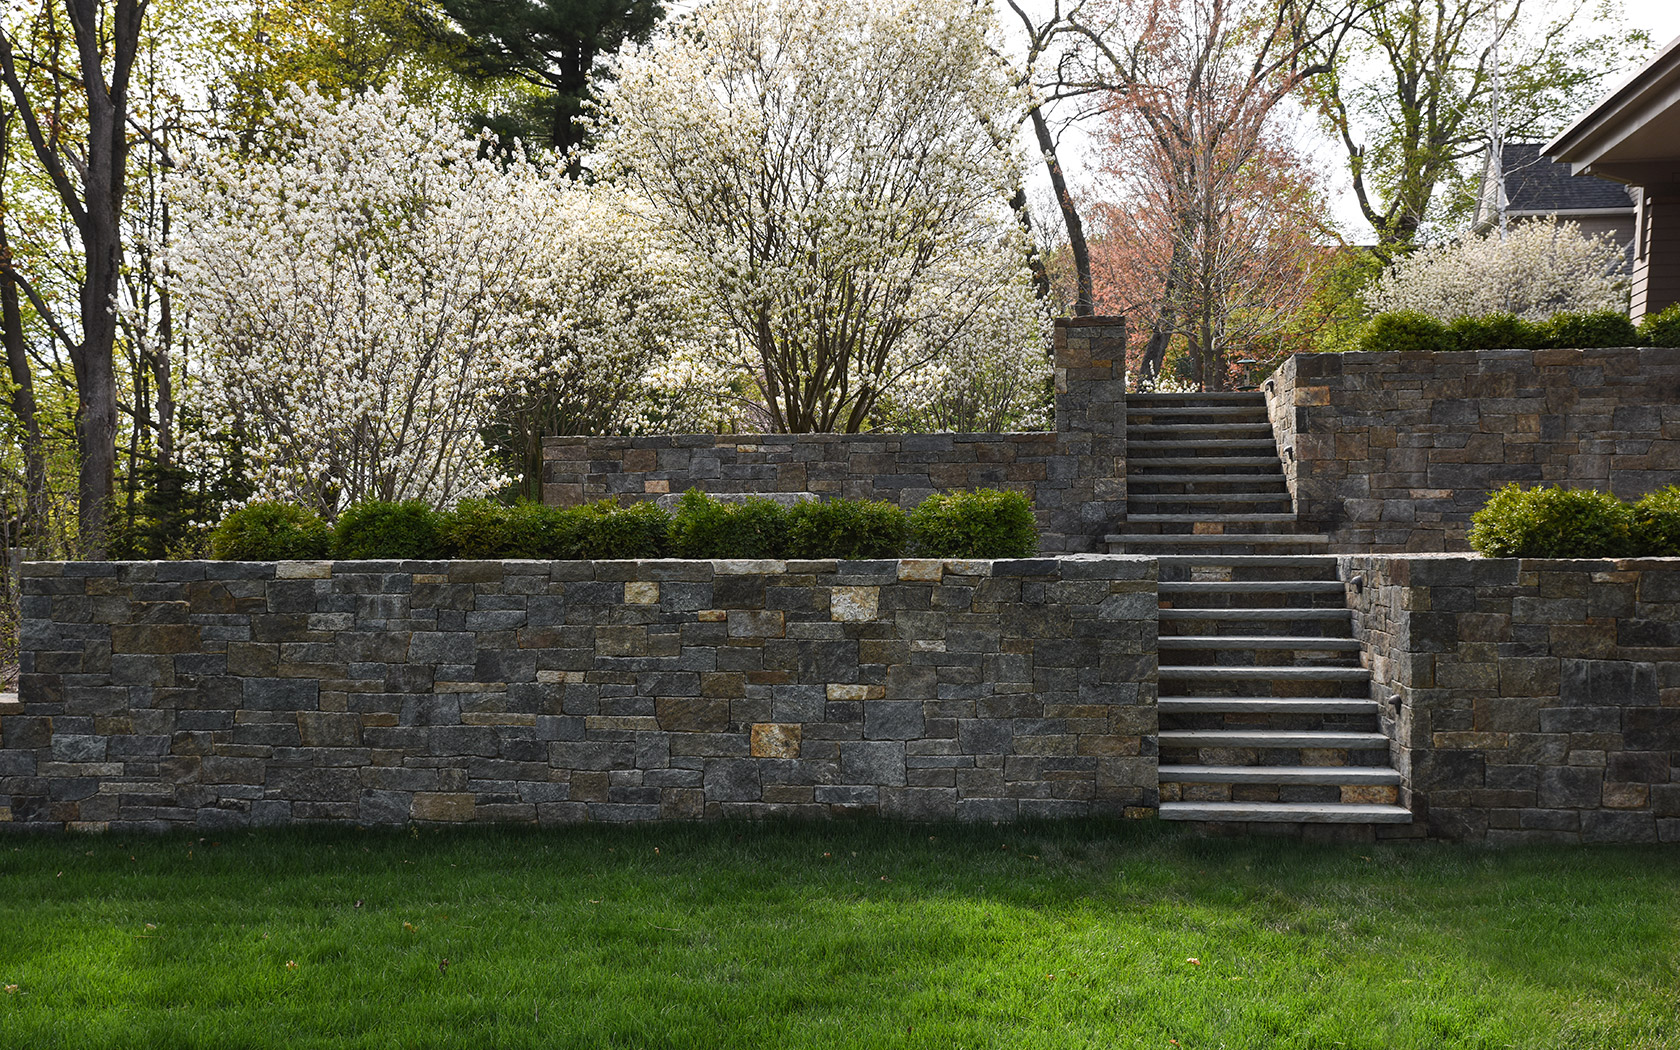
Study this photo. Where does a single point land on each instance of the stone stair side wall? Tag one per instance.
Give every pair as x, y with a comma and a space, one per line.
1533, 701
1393, 452
220, 694
1075, 474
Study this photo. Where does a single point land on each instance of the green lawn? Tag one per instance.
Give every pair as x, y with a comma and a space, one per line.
832, 935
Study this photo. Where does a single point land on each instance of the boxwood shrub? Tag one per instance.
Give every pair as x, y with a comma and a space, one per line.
1495, 332
1656, 523
270, 532
704, 527
377, 529
1405, 331
1661, 328
985, 523
1557, 522
606, 530
1589, 331
847, 528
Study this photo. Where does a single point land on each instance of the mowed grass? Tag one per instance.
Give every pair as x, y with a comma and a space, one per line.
830, 935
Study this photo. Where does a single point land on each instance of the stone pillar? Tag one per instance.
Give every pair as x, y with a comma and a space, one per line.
1090, 363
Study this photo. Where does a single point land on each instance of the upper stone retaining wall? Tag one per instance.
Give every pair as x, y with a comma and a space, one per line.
1075, 475
1532, 700
1394, 452
162, 694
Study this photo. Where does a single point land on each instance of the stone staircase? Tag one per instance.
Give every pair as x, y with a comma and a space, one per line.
1265, 712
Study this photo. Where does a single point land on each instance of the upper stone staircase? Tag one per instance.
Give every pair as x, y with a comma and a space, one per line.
1265, 711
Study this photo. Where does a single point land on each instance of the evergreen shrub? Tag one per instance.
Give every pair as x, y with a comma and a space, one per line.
1495, 332
704, 527
1590, 331
847, 529
1656, 524
1405, 331
1552, 523
984, 523
1661, 328
270, 532
377, 529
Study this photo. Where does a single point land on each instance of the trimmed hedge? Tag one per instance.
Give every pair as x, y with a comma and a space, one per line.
1547, 522
1408, 331
1656, 523
984, 524
270, 532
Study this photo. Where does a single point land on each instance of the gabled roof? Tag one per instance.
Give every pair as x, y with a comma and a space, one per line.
1633, 136
1537, 185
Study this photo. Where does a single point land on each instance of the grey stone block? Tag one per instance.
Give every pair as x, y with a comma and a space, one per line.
892, 720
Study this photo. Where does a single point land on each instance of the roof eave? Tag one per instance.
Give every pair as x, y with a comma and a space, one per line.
1583, 141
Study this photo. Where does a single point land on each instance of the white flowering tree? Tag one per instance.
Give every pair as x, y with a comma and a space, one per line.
832, 172
368, 294
1540, 268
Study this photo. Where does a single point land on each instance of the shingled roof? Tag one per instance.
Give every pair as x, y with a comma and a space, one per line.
1538, 185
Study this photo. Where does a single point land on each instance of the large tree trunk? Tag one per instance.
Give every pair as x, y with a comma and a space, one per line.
1084, 302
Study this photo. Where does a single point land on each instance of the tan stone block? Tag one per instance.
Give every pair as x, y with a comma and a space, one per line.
641, 593
854, 604
1109, 746
1142, 812
1312, 395
303, 570
1323, 756
497, 718
1626, 796
589, 786
691, 714
329, 729
776, 740
926, 570
443, 805
711, 615
1371, 794
622, 723
656, 486
679, 803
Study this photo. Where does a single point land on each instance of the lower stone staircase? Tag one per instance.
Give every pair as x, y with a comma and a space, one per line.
1265, 712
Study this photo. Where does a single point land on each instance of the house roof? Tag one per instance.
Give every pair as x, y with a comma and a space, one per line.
1538, 185
1633, 135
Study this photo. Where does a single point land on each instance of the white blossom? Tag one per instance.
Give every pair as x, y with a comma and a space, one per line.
1540, 268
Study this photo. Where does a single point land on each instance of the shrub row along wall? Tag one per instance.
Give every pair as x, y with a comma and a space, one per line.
1394, 452
1074, 475
1535, 700
226, 693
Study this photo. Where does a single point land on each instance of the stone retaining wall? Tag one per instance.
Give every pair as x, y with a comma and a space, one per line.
1075, 475
1532, 700
1394, 452
165, 694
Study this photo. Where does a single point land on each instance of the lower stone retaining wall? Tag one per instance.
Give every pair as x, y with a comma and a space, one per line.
218, 694
1533, 700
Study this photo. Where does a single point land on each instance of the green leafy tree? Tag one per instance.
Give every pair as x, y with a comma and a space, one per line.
1412, 90
555, 45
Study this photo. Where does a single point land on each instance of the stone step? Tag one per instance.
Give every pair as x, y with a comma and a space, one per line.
1278, 775
1244, 412
1211, 519
1316, 562
1210, 497
1223, 397
1274, 739
1139, 432
1271, 478
1341, 616
1251, 587
1253, 641
1267, 705
1209, 673
1216, 540
1287, 812
1258, 445
1265, 459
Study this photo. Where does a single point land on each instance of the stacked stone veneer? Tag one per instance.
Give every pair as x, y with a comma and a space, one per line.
216, 694
1074, 475
1533, 700
1394, 452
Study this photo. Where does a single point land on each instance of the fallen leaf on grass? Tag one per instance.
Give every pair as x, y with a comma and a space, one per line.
409, 926
1193, 961
291, 964
885, 879
11, 989
443, 966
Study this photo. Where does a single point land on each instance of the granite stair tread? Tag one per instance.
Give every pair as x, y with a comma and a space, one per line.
1199, 774
1287, 812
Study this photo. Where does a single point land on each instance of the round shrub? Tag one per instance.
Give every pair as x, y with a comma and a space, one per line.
1656, 524
376, 529
1661, 328
1552, 523
269, 532
1591, 331
484, 529
847, 529
985, 523
605, 530
707, 528
1405, 331
1494, 332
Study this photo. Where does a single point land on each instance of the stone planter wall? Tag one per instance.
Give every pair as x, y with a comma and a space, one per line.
1394, 452
157, 695
1075, 475
1532, 700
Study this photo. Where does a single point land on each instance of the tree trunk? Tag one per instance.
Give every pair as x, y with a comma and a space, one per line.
1084, 302
23, 398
